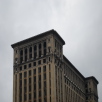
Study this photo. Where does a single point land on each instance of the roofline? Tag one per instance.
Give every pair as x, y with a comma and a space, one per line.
73, 67
92, 77
37, 36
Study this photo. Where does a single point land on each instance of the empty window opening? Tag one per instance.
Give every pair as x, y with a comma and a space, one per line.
34, 63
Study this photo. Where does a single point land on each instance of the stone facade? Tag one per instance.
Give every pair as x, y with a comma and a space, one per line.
41, 73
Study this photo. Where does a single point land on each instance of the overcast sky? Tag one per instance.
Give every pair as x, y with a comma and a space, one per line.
79, 23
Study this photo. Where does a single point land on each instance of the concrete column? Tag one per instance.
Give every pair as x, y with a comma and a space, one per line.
14, 86
18, 87
37, 85
47, 82
32, 85
27, 87
42, 88
22, 86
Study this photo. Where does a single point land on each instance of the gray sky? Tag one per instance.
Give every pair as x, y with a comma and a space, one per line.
79, 23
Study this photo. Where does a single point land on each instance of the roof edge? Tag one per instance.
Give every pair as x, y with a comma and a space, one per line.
38, 35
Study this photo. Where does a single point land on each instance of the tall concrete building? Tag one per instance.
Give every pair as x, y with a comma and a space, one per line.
41, 73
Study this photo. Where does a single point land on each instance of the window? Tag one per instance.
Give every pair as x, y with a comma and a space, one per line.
34, 86
29, 88
44, 83
25, 81
29, 65
29, 80
25, 74
39, 77
34, 63
25, 66
34, 78
29, 72
20, 75
44, 68
34, 71
44, 60
39, 70
49, 59
40, 94
21, 68
39, 62
34, 94
39, 85
30, 96
45, 76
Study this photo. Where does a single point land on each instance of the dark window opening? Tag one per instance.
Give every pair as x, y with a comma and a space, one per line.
39, 53
26, 51
25, 66
21, 68
25, 57
34, 63
34, 71
30, 49
25, 81
35, 48
39, 70
45, 76
29, 65
29, 72
39, 62
39, 77
44, 68
30, 56
39, 46
21, 59
34, 78
35, 55
20, 75
44, 60
21, 52
29, 88
25, 74
34, 86
44, 52
44, 44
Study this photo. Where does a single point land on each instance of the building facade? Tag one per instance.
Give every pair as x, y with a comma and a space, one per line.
41, 73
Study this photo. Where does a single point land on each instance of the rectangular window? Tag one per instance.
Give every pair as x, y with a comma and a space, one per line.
34, 63
25, 66
29, 88
44, 60
45, 76
20, 68
34, 71
30, 65
29, 72
20, 75
39, 77
35, 86
34, 79
29, 80
25, 74
44, 68
39, 62
39, 70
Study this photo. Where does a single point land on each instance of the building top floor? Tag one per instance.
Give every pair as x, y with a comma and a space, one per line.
39, 37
